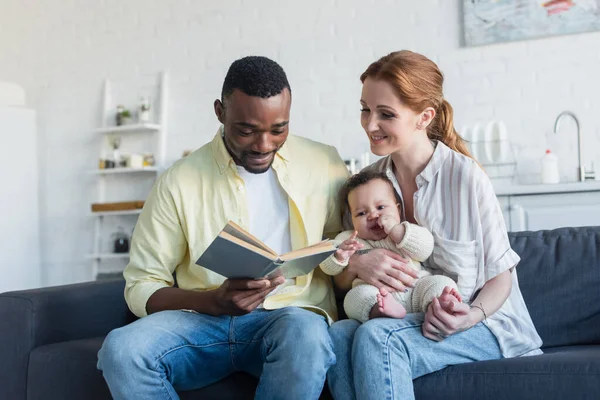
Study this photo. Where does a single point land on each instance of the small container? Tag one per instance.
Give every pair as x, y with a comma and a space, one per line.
124, 160
144, 111
550, 172
119, 115
136, 161
148, 160
121, 241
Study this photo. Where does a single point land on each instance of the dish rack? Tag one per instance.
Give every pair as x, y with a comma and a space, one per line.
506, 170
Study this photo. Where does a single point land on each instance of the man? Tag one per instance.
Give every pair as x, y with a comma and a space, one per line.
282, 189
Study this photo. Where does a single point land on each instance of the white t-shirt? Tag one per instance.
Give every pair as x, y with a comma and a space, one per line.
269, 212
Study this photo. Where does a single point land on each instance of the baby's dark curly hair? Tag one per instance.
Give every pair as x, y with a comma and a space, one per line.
256, 76
357, 180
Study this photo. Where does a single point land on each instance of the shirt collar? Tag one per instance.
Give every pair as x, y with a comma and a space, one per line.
224, 159
440, 154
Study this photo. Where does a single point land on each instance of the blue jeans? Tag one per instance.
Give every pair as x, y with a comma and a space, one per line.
380, 358
288, 349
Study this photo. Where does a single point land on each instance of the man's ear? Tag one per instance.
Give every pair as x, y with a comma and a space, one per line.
219, 111
426, 117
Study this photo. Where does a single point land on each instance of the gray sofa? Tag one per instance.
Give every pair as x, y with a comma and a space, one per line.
49, 337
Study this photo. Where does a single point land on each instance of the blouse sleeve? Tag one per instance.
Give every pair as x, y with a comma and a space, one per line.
498, 255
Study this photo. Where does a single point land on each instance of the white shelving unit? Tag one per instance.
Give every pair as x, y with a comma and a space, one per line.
114, 213
157, 131
131, 128
107, 256
112, 171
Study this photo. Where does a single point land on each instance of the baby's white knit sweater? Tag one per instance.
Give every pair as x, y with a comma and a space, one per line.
417, 246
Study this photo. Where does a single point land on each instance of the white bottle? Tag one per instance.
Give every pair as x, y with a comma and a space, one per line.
550, 172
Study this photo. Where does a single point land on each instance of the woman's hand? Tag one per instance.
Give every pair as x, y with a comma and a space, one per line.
383, 269
441, 323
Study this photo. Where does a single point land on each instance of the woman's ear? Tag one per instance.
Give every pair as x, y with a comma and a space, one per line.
426, 117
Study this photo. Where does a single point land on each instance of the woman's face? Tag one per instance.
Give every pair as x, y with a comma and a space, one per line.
389, 124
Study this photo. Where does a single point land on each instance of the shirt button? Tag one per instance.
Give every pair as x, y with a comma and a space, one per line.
240, 188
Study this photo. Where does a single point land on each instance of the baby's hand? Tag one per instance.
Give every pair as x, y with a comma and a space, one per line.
387, 222
347, 248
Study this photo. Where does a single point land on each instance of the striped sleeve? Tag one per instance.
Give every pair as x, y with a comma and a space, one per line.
498, 255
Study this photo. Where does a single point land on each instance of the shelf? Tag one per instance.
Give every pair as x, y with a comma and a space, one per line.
132, 128
111, 171
109, 213
107, 256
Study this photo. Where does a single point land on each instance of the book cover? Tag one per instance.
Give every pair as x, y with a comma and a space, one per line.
236, 254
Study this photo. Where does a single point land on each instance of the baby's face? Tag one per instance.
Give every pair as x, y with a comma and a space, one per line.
369, 202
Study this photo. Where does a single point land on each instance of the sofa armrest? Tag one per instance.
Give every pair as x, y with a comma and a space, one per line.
33, 318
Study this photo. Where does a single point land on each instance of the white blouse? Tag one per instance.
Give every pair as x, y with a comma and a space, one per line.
455, 200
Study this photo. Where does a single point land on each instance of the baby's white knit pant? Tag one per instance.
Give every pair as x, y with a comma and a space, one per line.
362, 297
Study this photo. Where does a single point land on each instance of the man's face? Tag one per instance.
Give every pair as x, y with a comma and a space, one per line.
254, 128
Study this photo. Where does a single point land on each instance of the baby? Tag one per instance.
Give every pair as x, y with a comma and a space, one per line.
371, 199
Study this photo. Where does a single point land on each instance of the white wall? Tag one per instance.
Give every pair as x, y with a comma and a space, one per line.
61, 50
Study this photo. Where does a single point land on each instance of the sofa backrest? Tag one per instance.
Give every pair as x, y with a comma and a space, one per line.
559, 276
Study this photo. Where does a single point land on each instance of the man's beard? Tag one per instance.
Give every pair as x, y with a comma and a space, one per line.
253, 170
243, 160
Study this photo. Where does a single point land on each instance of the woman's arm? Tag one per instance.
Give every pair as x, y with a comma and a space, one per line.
379, 267
499, 262
440, 323
491, 297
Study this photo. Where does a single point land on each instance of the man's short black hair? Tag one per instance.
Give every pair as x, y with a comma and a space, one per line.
256, 76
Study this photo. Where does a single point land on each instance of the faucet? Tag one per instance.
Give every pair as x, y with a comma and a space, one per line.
582, 174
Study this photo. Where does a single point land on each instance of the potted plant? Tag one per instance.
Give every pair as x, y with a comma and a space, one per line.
123, 116
126, 117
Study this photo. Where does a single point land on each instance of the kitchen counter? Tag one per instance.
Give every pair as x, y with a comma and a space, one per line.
503, 189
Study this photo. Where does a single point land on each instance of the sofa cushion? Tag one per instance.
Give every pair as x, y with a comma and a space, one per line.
67, 370
559, 276
561, 373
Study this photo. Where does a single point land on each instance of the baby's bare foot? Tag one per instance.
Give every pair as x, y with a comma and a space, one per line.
449, 298
387, 307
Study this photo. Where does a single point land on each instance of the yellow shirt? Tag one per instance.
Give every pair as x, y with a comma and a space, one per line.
194, 199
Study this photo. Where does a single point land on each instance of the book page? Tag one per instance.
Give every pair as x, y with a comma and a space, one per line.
324, 246
235, 230
247, 245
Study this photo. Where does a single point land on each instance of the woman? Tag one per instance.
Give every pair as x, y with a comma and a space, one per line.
444, 190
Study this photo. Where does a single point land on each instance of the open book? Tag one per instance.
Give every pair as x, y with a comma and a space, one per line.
235, 253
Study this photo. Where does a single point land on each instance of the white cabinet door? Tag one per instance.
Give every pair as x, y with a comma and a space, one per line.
504, 205
551, 211
19, 226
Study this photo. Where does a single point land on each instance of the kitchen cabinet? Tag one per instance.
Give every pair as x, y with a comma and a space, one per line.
19, 231
550, 206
